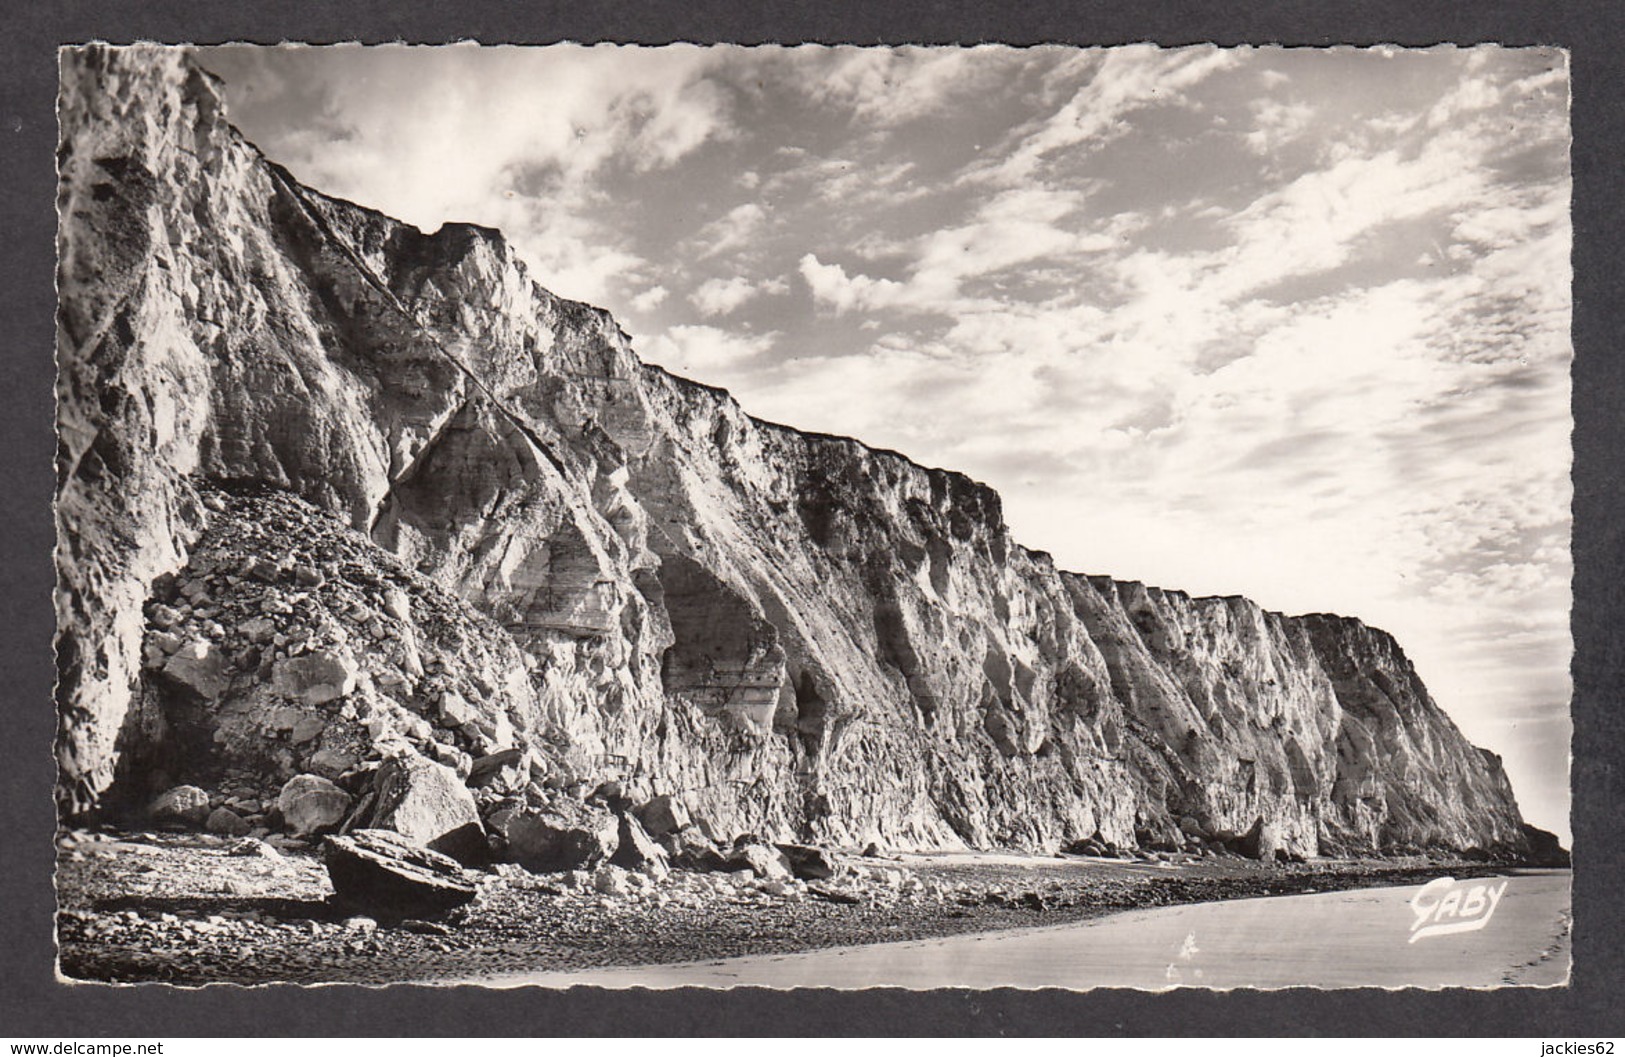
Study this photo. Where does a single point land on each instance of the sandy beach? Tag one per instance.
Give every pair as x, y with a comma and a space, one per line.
182, 908
1356, 938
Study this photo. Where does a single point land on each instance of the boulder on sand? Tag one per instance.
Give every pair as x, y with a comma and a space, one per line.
809, 863
227, 822
427, 803
386, 876
763, 860
566, 836
185, 805
310, 803
1260, 842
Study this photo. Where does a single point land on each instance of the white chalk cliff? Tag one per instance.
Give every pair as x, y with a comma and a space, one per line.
798, 635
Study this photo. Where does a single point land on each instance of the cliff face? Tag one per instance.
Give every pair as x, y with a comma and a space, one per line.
798, 635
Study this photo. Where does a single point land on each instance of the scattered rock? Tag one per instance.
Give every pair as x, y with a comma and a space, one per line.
398, 604
610, 881
317, 677
200, 667
663, 815
452, 757
331, 764
636, 850
809, 863
387, 876
691, 849
612, 794
508, 770
428, 804
425, 928
310, 803
183, 805
763, 860
225, 821
308, 728
252, 847
564, 837
283, 718
258, 630
834, 895
455, 709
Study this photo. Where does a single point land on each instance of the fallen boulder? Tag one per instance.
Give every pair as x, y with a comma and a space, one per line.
564, 836
225, 821
636, 850
310, 803
1260, 842
763, 860
428, 804
200, 667
330, 763
253, 848
691, 849
386, 876
185, 805
663, 815
507, 771
809, 863
316, 678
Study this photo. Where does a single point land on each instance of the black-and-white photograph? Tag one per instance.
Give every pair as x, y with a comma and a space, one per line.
835, 517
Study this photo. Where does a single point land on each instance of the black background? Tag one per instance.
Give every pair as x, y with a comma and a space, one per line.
32, 1003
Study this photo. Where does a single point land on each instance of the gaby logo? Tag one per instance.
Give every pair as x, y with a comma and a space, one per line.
1445, 905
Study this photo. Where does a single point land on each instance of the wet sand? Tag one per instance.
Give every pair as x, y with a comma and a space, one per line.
1354, 938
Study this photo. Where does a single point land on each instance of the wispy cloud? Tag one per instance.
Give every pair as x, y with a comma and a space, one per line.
1126, 79
719, 297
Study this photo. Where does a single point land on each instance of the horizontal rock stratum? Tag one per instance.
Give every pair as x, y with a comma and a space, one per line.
530, 539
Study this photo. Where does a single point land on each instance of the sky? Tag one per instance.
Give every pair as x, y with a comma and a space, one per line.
1287, 323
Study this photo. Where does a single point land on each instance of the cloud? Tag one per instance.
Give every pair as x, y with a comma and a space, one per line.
510, 137
831, 285
701, 352
719, 297
732, 231
1472, 94
650, 299
1275, 124
891, 86
1126, 80
1015, 227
